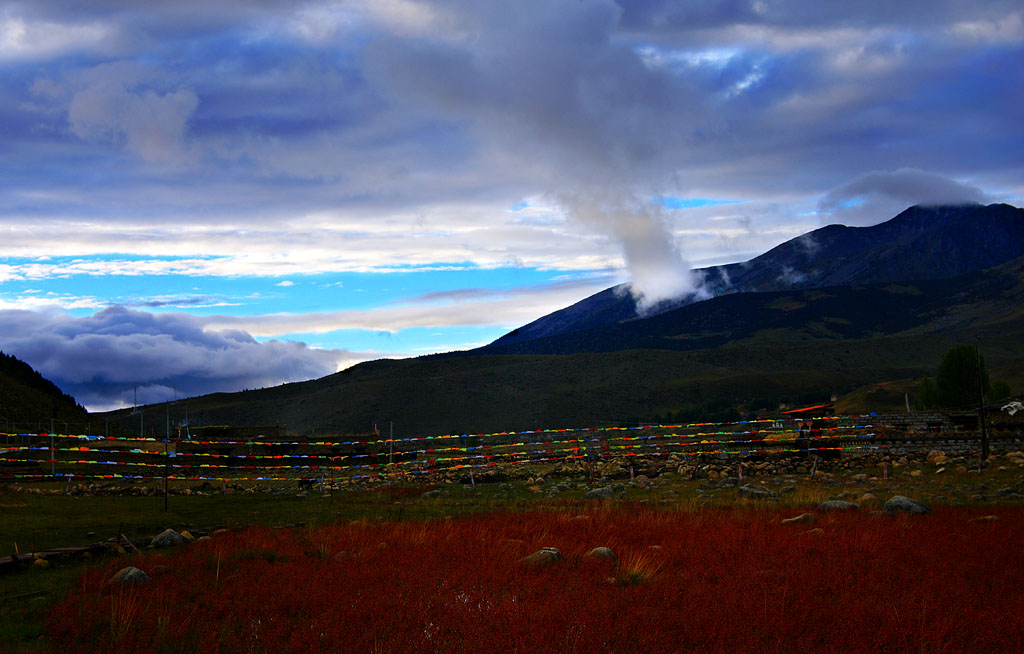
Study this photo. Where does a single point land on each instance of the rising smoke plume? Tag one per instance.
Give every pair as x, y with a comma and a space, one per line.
558, 96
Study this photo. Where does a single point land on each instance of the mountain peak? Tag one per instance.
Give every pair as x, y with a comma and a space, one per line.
920, 243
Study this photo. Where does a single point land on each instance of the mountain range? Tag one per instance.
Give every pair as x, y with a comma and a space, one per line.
820, 316
828, 313
921, 243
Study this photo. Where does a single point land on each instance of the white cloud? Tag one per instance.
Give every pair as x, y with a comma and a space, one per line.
873, 197
999, 29
34, 300
22, 38
482, 308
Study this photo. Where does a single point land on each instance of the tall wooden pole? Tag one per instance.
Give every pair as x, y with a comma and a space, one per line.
981, 402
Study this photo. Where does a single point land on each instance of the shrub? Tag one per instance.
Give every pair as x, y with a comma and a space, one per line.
709, 581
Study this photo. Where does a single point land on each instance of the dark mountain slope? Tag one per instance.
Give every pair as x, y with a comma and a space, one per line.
26, 397
921, 243
787, 346
843, 312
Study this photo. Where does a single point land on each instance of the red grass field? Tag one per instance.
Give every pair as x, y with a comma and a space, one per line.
704, 581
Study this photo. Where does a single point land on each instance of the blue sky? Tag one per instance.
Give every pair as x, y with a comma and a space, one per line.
215, 196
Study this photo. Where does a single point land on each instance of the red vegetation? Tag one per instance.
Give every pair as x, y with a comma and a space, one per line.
712, 581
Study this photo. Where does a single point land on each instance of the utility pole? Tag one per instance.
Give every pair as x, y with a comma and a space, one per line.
981, 402
167, 465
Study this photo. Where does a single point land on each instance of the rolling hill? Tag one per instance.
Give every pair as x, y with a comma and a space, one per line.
832, 311
28, 401
750, 350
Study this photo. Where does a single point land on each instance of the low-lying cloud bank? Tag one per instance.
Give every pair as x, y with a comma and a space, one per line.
102, 359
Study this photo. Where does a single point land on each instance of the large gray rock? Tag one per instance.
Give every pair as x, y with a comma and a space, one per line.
837, 505
901, 504
131, 576
757, 492
168, 538
543, 557
602, 553
602, 493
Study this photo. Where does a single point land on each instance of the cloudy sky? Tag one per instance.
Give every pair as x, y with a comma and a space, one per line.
200, 196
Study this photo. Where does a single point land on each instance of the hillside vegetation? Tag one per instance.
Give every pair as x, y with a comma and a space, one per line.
793, 353
900, 294
921, 243
27, 399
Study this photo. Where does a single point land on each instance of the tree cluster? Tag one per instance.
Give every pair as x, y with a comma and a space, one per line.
960, 378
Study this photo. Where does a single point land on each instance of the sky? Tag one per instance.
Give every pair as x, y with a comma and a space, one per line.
200, 197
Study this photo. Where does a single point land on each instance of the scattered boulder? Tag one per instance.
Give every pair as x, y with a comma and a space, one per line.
802, 519
817, 531
543, 557
901, 504
937, 457
757, 492
187, 535
602, 493
168, 538
602, 553
837, 505
986, 518
131, 576
431, 493
867, 497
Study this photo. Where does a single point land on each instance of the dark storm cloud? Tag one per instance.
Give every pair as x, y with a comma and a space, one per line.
495, 99
551, 83
101, 358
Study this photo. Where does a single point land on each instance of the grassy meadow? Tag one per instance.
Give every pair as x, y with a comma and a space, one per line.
700, 567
